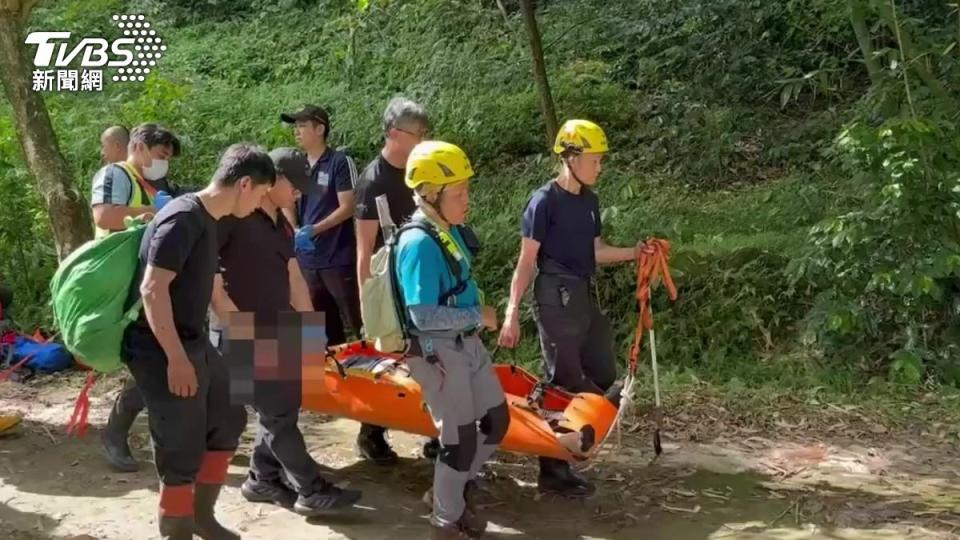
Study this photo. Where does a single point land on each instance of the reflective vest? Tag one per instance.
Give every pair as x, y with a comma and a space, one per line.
141, 194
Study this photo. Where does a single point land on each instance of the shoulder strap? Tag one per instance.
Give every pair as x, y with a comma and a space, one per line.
452, 263
149, 190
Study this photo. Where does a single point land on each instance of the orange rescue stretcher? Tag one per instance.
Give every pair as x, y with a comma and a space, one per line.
359, 382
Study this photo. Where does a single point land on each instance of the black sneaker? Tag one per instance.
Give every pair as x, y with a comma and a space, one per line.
372, 446
268, 492
326, 499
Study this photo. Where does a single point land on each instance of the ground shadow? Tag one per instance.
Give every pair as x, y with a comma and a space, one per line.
19, 525
72, 466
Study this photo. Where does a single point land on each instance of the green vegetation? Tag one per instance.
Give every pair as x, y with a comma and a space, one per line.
812, 204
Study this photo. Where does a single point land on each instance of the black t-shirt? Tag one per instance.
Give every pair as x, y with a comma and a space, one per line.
254, 254
566, 225
182, 238
379, 178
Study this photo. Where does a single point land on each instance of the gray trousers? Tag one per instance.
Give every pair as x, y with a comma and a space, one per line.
469, 409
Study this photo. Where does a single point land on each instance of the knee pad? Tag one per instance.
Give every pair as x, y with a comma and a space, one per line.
459, 457
494, 424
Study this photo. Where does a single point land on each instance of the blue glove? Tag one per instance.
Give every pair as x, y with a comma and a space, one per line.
303, 240
161, 199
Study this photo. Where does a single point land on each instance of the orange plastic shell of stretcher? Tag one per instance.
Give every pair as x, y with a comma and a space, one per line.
396, 402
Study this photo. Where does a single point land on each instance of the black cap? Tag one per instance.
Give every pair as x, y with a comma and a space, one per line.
292, 164
307, 112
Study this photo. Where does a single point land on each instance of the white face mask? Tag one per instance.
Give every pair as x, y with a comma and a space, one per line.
158, 169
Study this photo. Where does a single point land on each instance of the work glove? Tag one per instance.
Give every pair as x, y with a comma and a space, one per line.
161, 200
303, 239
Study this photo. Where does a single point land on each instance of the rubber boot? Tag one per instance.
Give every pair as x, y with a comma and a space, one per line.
372, 445
207, 527
114, 438
176, 528
556, 476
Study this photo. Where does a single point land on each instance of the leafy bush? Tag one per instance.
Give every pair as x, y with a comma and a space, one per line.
888, 273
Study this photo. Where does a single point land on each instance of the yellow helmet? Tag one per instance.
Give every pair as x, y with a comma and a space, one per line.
580, 137
439, 163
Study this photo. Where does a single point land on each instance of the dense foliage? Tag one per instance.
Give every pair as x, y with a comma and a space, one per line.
813, 206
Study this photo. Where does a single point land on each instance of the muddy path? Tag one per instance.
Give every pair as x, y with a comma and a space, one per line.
858, 481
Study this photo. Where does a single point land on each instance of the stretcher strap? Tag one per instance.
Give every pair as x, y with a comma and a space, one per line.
81, 409
651, 268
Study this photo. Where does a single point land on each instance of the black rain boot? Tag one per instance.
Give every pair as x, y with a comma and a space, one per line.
556, 476
207, 527
176, 528
372, 445
114, 437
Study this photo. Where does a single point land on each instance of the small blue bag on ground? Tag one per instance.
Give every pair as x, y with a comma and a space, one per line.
46, 357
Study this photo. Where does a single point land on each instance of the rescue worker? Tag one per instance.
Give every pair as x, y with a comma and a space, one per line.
445, 314
113, 144
259, 274
134, 185
561, 238
180, 374
325, 240
405, 125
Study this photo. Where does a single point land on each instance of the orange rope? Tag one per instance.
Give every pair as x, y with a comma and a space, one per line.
7, 373
651, 267
78, 421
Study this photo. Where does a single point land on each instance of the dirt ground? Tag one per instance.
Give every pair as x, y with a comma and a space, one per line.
715, 480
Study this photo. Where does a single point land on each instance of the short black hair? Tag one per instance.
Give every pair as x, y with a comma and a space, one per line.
155, 135
245, 159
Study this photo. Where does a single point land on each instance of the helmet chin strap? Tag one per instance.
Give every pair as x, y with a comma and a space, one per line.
573, 174
436, 206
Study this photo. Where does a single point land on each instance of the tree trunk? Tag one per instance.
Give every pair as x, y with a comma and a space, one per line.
858, 20
540, 71
909, 56
68, 213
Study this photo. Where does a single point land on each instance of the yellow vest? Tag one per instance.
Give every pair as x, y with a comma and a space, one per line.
139, 197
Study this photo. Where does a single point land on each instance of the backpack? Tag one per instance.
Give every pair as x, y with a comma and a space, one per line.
89, 290
381, 302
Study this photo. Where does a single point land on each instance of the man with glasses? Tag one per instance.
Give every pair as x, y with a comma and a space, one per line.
405, 124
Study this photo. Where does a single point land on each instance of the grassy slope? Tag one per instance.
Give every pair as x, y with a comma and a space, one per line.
704, 155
